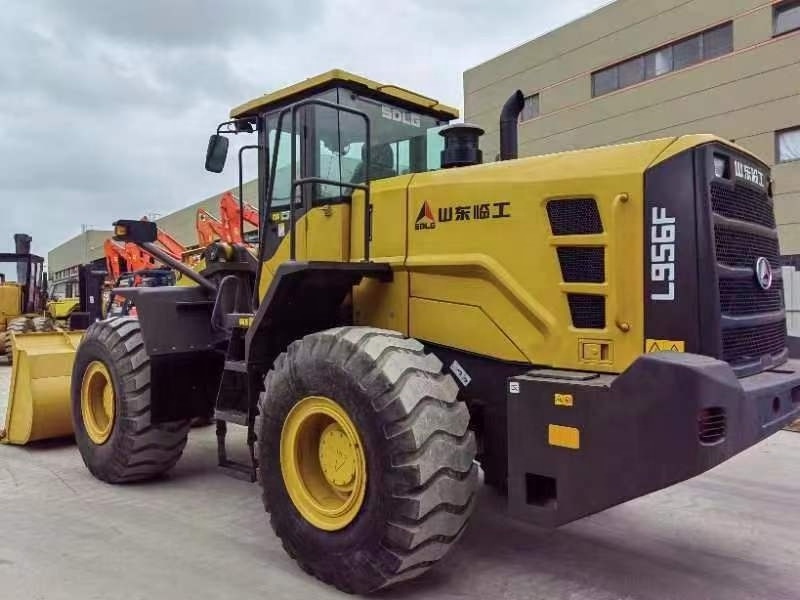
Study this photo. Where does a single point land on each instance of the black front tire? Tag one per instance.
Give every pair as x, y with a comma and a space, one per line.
136, 449
421, 474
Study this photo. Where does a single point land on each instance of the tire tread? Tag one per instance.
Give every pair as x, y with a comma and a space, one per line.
433, 477
145, 450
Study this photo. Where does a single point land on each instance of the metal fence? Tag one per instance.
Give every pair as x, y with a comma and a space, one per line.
791, 293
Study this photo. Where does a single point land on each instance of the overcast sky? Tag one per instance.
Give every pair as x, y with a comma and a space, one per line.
106, 107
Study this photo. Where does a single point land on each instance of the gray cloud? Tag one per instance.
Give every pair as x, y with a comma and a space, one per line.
105, 107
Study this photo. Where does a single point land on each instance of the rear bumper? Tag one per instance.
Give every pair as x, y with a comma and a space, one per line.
608, 439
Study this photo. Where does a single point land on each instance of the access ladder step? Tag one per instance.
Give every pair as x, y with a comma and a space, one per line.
232, 416
239, 470
237, 366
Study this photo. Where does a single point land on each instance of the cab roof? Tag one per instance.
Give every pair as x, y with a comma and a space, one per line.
331, 79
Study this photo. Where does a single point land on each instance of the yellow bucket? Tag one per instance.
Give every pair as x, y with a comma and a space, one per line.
39, 398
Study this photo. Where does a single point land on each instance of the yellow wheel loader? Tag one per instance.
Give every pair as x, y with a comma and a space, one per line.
39, 397
588, 327
21, 299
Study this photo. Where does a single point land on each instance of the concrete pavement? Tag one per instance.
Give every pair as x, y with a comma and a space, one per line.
732, 534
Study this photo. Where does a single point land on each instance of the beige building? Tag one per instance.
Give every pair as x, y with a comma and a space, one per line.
63, 260
639, 69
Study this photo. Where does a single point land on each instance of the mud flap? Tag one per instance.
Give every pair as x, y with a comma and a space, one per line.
39, 398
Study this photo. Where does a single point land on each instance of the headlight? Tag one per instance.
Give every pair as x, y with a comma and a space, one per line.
721, 166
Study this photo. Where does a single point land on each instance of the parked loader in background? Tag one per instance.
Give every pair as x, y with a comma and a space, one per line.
39, 395
22, 299
590, 326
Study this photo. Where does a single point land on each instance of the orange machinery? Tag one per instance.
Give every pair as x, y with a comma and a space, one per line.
233, 217
209, 228
130, 258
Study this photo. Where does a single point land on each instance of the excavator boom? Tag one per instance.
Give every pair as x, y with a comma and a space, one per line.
171, 245
232, 216
116, 259
209, 228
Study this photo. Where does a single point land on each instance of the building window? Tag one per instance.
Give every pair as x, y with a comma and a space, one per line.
530, 110
787, 17
606, 81
788, 143
658, 63
709, 44
631, 72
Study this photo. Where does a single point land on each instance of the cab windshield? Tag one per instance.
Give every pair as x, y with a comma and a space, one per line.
331, 144
62, 290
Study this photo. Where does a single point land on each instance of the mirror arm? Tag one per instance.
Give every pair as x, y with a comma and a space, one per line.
236, 123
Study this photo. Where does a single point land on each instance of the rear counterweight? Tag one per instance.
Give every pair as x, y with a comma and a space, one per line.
580, 443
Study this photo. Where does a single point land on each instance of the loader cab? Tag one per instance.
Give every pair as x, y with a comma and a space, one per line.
23, 285
321, 142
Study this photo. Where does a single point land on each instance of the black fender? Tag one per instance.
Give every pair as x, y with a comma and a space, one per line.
303, 297
187, 354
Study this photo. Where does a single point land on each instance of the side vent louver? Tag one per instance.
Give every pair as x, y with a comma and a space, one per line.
711, 425
574, 216
582, 265
588, 311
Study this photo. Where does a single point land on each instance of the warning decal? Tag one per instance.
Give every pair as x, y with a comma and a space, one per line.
664, 346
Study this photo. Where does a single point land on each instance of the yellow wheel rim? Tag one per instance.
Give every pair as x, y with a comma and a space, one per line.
323, 463
97, 402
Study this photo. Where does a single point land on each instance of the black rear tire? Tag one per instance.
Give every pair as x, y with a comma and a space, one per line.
421, 475
136, 449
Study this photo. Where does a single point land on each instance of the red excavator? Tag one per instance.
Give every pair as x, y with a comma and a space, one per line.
229, 227
173, 247
209, 228
130, 258
129, 265
233, 217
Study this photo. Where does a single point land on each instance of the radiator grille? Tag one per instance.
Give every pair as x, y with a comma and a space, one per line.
588, 311
739, 297
742, 248
751, 343
743, 203
582, 265
574, 216
739, 245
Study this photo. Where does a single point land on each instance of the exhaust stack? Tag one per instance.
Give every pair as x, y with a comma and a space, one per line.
22, 245
509, 118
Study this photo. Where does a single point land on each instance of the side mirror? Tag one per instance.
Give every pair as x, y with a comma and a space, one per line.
217, 153
138, 232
